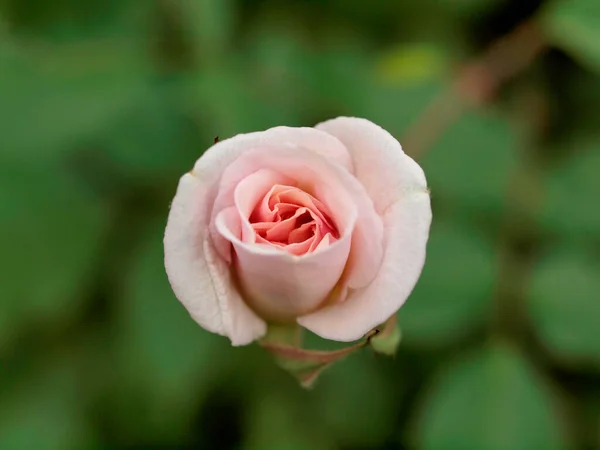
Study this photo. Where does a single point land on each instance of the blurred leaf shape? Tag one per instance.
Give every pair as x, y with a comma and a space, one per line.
395, 108
210, 24
453, 294
573, 26
286, 76
228, 105
46, 411
409, 63
490, 400
282, 416
570, 204
155, 140
564, 304
54, 96
369, 425
472, 161
166, 361
278, 419
52, 232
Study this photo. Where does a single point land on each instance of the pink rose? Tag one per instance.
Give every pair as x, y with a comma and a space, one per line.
325, 226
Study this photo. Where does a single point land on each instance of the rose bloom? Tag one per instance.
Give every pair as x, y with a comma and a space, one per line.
324, 226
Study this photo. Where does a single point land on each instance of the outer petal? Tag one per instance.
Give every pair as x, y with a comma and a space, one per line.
200, 279
199, 276
279, 285
398, 188
381, 166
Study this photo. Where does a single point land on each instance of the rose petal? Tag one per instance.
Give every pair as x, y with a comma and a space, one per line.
250, 191
297, 197
278, 285
399, 190
200, 279
265, 185
380, 164
304, 232
280, 231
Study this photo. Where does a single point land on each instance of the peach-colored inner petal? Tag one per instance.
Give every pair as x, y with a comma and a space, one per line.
291, 219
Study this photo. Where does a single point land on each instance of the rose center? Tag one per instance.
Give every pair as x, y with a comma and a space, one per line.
290, 218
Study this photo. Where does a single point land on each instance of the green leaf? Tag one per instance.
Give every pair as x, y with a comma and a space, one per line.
55, 98
571, 196
396, 107
290, 84
211, 25
358, 380
45, 411
564, 306
154, 141
52, 232
453, 294
471, 162
573, 26
405, 64
281, 416
233, 107
165, 360
278, 419
490, 400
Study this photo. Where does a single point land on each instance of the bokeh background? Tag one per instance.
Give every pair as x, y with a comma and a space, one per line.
105, 103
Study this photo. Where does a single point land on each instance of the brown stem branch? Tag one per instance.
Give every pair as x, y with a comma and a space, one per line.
476, 83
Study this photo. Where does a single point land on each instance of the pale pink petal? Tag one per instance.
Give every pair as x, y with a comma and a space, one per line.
269, 210
295, 249
381, 166
298, 197
250, 191
303, 232
278, 285
280, 231
301, 248
289, 231
399, 189
325, 242
200, 279
254, 196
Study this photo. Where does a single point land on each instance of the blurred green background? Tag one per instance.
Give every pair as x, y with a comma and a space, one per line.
105, 103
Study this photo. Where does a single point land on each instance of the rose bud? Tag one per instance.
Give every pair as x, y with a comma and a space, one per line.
324, 227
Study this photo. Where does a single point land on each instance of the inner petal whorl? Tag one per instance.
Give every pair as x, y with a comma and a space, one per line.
287, 216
